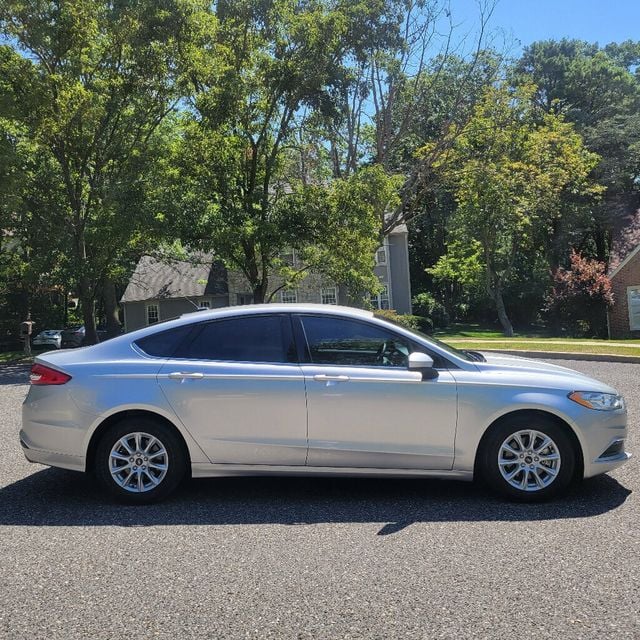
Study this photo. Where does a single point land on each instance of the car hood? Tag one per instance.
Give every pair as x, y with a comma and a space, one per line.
539, 373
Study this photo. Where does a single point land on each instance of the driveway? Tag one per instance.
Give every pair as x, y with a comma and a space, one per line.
317, 558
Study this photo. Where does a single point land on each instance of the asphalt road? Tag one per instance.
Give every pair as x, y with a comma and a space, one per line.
317, 558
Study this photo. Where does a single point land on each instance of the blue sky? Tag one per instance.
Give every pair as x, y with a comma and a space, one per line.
525, 21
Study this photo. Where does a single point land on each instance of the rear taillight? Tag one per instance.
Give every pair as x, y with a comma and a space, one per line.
45, 375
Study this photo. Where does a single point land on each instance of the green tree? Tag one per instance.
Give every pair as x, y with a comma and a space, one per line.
91, 82
509, 167
232, 190
597, 89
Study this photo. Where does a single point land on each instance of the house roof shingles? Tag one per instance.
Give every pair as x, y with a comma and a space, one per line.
154, 279
626, 239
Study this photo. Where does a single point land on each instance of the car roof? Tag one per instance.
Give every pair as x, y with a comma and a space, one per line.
121, 346
295, 307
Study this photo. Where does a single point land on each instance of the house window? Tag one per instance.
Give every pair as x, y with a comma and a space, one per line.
288, 256
205, 304
381, 300
328, 295
381, 255
633, 302
153, 314
289, 295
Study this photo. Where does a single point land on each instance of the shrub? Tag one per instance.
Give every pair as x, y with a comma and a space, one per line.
580, 296
426, 306
404, 320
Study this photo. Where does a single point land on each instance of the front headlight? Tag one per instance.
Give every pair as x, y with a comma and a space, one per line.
598, 401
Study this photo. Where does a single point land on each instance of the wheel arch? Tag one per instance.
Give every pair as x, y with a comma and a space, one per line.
118, 416
579, 472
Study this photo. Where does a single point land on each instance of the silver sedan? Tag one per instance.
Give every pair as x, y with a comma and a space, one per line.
49, 338
313, 389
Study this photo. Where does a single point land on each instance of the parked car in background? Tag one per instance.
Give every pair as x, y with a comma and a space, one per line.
51, 338
314, 389
74, 337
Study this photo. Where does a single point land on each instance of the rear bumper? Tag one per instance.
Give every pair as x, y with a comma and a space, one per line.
51, 458
54, 430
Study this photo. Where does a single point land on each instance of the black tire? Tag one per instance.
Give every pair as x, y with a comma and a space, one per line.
490, 451
175, 456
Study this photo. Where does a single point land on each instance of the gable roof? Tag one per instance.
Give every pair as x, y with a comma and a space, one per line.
154, 279
626, 240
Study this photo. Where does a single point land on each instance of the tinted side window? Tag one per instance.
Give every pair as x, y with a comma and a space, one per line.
340, 341
243, 339
164, 343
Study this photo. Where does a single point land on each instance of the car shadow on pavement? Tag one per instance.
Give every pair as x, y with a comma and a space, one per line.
53, 497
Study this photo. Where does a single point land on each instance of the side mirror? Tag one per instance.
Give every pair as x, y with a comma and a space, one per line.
419, 361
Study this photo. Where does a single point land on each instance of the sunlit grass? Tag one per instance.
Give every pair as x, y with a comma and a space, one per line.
599, 347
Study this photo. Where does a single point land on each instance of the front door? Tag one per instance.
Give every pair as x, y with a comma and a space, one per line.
365, 408
236, 388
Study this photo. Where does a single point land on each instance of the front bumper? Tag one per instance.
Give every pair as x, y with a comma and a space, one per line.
603, 464
604, 435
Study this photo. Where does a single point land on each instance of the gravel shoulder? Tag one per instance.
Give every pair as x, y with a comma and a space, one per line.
316, 558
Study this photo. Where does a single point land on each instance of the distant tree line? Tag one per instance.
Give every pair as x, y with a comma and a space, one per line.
245, 128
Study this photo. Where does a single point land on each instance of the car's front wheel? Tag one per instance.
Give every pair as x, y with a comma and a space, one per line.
139, 460
528, 458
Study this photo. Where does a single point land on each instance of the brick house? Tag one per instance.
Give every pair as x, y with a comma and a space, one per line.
160, 290
624, 272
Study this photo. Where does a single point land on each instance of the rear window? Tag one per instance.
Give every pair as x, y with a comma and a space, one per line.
164, 344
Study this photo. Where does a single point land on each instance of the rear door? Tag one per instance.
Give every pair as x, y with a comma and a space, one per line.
237, 388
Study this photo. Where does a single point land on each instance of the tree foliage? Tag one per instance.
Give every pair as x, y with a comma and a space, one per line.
509, 168
271, 63
90, 82
580, 296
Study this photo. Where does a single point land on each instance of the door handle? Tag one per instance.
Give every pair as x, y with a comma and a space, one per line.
321, 377
183, 375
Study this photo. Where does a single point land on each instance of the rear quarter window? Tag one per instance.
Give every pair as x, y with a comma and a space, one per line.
164, 344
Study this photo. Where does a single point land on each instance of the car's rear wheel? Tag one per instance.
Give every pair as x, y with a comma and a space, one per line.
528, 458
140, 460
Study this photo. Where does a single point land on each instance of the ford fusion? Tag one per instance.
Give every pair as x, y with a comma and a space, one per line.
313, 389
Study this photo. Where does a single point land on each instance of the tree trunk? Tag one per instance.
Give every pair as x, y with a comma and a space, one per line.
259, 294
88, 316
111, 307
502, 312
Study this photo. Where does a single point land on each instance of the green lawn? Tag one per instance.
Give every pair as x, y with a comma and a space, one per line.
13, 356
479, 331
617, 347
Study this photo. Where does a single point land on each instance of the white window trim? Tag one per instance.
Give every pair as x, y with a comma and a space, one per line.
290, 291
378, 298
383, 248
147, 306
629, 291
291, 253
323, 290
205, 303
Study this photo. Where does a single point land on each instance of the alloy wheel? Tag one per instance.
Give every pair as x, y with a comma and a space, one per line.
529, 460
138, 462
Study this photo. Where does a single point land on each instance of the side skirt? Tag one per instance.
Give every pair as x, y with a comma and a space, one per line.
206, 470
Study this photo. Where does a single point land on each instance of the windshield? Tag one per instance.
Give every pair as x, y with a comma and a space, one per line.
469, 356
